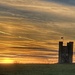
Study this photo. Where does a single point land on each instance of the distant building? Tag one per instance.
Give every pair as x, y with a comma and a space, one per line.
66, 52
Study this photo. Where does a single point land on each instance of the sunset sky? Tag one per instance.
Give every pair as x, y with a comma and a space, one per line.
31, 29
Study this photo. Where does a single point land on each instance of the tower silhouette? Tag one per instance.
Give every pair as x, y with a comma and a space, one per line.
65, 52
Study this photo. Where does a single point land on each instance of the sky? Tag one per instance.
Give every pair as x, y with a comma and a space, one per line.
31, 29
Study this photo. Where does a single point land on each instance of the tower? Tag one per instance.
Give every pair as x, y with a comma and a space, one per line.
65, 52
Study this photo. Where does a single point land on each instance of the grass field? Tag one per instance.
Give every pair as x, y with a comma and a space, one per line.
38, 69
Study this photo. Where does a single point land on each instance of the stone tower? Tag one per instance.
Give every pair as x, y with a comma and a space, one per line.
65, 52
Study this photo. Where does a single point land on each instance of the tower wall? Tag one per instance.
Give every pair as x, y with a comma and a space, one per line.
60, 51
70, 51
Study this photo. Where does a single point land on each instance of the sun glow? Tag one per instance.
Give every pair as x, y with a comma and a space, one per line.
7, 61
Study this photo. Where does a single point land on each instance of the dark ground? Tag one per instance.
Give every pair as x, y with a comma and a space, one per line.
37, 69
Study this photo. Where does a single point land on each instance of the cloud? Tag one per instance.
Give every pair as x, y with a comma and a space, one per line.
35, 48
46, 21
15, 55
66, 2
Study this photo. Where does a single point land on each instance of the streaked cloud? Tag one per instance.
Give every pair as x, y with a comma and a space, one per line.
66, 2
